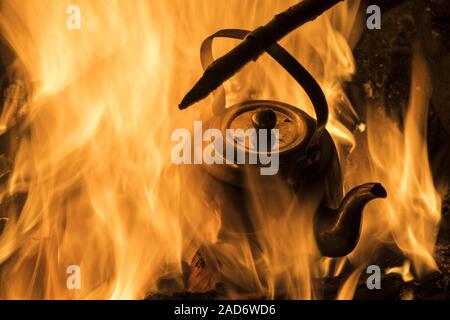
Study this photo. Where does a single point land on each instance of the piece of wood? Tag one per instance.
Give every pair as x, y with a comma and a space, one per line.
254, 45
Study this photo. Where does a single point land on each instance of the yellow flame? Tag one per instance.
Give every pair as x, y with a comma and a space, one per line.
409, 218
404, 271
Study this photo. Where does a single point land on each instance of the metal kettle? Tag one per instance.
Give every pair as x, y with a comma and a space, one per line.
308, 159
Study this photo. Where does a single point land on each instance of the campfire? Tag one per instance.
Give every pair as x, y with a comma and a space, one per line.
312, 162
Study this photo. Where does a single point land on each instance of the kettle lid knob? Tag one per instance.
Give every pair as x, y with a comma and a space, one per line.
264, 119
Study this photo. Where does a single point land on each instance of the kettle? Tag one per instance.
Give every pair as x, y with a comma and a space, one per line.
308, 159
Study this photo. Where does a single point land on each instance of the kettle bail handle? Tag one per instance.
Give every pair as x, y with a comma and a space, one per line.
286, 60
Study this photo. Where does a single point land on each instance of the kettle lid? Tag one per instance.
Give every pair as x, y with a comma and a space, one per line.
293, 125
295, 130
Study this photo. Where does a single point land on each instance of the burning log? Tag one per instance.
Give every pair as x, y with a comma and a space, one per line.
201, 278
254, 45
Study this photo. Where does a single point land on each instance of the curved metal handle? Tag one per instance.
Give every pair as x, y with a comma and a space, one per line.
287, 61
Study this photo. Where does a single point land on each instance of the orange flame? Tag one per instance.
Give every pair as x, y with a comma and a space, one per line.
409, 219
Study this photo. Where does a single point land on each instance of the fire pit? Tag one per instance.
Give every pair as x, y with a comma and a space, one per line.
94, 206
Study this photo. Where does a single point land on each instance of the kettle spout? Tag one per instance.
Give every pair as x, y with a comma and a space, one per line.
337, 231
